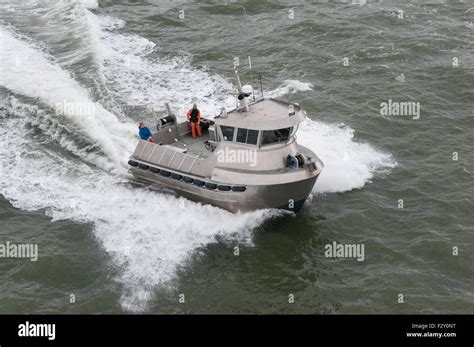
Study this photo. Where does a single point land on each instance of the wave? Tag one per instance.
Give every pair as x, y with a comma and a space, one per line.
289, 87
348, 164
29, 72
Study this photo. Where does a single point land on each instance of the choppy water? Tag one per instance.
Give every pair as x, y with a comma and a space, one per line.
121, 248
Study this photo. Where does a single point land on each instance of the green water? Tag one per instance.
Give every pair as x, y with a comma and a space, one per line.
120, 248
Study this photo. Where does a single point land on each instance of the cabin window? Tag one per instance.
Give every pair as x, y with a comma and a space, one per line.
252, 137
227, 133
276, 136
247, 136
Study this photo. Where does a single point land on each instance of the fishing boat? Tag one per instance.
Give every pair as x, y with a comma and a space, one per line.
247, 158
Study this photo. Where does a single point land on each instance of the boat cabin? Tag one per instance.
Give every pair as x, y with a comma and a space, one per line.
265, 122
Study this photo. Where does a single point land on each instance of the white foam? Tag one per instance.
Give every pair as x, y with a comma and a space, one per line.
289, 87
349, 164
142, 78
26, 71
147, 234
91, 4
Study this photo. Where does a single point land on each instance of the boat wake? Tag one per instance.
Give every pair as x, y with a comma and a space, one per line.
71, 164
148, 235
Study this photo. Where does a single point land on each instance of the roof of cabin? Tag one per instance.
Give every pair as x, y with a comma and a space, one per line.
264, 114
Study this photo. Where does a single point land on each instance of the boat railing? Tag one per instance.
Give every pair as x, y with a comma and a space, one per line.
164, 156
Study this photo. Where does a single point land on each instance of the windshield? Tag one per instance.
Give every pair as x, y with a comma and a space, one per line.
276, 136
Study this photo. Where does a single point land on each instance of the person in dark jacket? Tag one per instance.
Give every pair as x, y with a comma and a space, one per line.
145, 133
194, 118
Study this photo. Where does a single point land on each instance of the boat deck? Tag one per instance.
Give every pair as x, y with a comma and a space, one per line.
193, 146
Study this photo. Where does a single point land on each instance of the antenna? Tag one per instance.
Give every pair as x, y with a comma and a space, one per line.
261, 87
251, 76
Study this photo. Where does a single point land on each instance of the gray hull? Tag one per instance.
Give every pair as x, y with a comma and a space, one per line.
288, 196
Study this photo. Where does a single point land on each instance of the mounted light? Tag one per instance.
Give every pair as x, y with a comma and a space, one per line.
247, 90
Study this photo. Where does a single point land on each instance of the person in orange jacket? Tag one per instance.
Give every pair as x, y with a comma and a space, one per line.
194, 117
